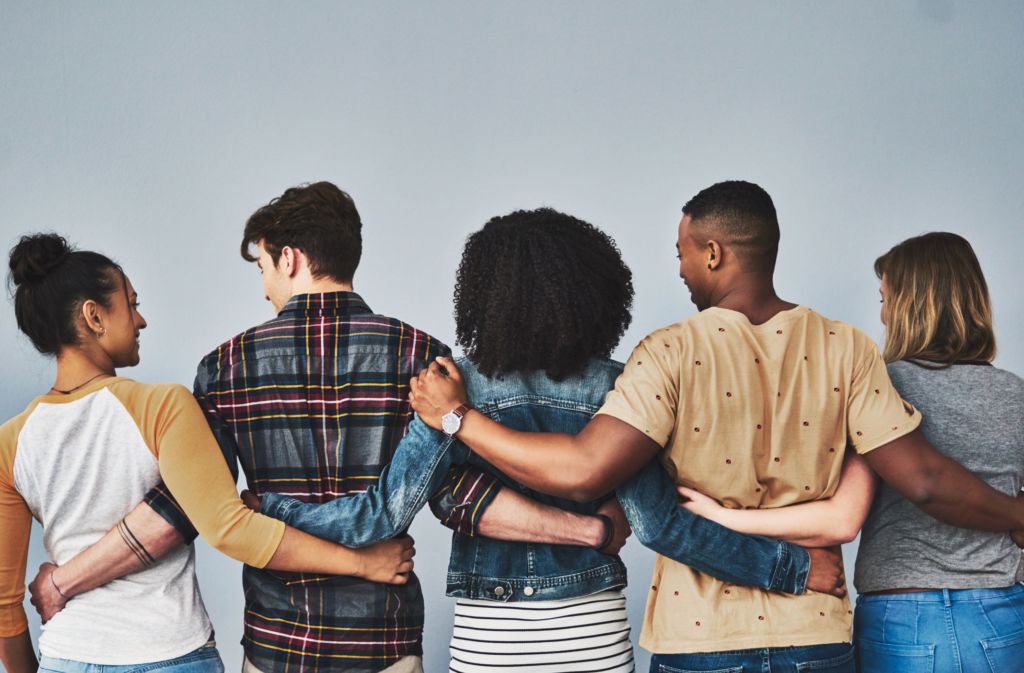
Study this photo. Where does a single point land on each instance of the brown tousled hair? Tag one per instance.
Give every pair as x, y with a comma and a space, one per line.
937, 306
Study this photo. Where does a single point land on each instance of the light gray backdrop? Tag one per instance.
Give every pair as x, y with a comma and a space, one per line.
151, 131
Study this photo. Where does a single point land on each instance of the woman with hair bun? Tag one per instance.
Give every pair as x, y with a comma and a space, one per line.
88, 451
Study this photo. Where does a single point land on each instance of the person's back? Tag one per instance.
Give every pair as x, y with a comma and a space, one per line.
755, 416
312, 404
973, 413
81, 461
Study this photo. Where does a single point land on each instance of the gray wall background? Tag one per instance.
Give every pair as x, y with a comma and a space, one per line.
150, 132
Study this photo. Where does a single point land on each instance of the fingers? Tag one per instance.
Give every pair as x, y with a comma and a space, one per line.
685, 492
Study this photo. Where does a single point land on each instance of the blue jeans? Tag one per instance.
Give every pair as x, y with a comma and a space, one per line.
205, 659
976, 630
831, 658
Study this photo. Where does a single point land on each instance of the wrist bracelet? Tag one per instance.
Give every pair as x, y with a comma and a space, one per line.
54, 583
609, 530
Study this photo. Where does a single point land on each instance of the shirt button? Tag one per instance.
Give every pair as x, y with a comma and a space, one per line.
499, 591
528, 591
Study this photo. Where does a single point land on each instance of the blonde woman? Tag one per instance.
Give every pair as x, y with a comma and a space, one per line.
933, 597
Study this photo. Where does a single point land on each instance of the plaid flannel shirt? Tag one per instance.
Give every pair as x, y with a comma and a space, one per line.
312, 404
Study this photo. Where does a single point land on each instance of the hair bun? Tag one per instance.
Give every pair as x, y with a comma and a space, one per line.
36, 256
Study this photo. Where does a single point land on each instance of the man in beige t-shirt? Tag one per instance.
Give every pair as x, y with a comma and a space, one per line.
754, 401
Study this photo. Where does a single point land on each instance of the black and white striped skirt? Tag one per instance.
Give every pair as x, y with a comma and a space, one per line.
589, 633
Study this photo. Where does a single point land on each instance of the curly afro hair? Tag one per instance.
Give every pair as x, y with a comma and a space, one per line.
540, 290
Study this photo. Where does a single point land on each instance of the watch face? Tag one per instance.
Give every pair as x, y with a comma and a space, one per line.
450, 423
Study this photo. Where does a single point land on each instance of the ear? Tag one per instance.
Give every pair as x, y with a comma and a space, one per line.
289, 261
92, 315
714, 253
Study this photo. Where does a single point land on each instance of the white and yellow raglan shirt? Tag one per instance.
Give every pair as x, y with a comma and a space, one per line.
78, 463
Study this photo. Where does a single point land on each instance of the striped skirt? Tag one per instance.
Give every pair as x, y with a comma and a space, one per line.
588, 633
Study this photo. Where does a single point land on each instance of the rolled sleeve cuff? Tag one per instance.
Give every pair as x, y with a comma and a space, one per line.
12, 620
791, 568
163, 503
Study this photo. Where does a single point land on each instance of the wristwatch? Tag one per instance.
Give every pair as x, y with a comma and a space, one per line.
452, 421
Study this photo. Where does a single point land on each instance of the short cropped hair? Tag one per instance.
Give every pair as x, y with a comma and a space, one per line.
318, 219
740, 214
937, 306
540, 290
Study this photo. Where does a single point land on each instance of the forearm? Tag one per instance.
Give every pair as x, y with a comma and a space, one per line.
513, 516
818, 523
136, 542
385, 509
301, 552
649, 500
581, 467
943, 488
17, 655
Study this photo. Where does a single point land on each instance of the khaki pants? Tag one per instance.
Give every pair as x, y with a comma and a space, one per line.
410, 664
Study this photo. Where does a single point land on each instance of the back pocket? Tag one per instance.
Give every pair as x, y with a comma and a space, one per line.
887, 657
1005, 654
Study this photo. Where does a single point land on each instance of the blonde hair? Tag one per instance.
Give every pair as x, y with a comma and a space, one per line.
937, 306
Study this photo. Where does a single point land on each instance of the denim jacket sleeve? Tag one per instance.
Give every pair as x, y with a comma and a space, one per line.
416, 471
650, 502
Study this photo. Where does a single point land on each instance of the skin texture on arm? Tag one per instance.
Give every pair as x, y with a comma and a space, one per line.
17, 655
135, 543
582, 467
819, 523
513, 516
942, 488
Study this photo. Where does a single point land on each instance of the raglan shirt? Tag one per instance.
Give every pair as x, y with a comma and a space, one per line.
755, 416
78, 464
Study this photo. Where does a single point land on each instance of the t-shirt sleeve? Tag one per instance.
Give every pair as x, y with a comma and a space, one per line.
194, 470
15, 524
875, 412
646, 393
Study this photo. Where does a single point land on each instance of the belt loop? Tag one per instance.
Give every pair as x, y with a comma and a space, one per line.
945, 598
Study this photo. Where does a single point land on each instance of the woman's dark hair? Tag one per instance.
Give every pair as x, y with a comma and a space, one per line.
52, 280
543, 290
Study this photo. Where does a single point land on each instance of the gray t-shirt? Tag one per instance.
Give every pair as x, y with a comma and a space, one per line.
974, 414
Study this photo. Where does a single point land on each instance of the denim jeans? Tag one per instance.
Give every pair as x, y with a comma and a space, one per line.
976, 630
205, 659
830, 658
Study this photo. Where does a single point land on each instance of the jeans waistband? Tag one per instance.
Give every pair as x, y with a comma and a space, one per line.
945, 595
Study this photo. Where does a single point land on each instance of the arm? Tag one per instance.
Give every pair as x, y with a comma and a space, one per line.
384, 510
194, 469
651, 505
135, 543
819, 523
582, 467
942, 488
513, 516
471, 504
17, 655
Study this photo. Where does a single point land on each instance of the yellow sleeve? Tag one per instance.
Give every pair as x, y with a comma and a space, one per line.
646, 392
875, 412
15, 524
193, 467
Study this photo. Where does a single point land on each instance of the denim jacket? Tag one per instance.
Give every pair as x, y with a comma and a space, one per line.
486, 568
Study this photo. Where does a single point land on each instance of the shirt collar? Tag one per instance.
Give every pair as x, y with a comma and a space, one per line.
325, 303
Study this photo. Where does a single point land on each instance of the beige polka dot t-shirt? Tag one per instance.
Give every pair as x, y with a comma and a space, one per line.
754, 416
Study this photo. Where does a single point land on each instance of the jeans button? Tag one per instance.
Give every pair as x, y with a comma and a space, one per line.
499, 591
528, 591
